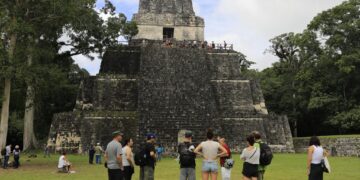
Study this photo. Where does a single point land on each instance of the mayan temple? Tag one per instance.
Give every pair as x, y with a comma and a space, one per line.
147, 87
158, 19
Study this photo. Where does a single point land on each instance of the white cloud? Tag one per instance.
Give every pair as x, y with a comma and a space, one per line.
248, 24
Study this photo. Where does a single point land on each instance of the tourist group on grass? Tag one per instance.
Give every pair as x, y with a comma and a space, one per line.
120, 159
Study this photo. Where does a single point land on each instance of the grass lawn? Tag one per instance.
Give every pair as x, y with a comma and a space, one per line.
284, 167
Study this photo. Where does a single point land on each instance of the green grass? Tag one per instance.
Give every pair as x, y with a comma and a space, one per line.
284, 167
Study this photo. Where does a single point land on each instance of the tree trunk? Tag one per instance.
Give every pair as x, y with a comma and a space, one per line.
29, 135
4, 124
295, 132
5, 113
29, 140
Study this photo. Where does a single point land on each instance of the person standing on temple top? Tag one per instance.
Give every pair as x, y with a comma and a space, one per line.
195, 45
209, 150
147, 170
225, 172
251, 156
91, 154
113, 157
16, 153
212, 45
187, 158
225, 45
128, 159
203, 45
98, 151
6, 154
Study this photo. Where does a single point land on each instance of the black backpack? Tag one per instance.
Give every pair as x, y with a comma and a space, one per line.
266, 154
3, 152
140, 157
187, 157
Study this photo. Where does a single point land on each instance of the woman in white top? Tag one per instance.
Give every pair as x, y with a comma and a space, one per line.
128, 159
251, 156
64, 164
210, 152
315, 155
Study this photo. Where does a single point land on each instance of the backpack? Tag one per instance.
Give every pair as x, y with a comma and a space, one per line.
140, 157
3, 152
266, 154
187, 157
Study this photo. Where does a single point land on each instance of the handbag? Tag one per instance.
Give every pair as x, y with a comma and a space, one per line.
325, 165
229, 163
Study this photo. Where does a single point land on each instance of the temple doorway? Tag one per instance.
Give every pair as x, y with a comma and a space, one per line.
168, 33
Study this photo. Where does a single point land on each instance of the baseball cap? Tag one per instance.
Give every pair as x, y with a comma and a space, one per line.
150, 136
117, 133
188, 134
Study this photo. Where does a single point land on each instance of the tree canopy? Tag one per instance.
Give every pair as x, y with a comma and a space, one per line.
318, 73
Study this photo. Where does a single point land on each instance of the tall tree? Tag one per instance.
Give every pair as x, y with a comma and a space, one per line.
339, 29
85, 33
318, 74
295, 51
9, 35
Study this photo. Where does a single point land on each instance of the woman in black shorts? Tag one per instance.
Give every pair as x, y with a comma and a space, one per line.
251, 156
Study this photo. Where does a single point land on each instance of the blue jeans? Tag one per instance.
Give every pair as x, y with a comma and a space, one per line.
98, 159
16, 161
6, 160
159, 156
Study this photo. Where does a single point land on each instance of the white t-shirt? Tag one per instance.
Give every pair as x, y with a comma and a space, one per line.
63, 162
210, 150
8, 150
317, 155
252, 157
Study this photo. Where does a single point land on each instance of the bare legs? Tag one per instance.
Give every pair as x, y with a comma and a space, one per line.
206, 175
246, 178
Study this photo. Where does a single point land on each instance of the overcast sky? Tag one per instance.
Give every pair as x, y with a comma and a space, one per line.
248, 24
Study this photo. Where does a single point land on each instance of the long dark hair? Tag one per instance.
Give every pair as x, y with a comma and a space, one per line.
126, 142
314, 141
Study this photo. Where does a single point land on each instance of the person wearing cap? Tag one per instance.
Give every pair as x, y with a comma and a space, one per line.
113, 157
187, 158
16, 153
98, 151
147, 171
